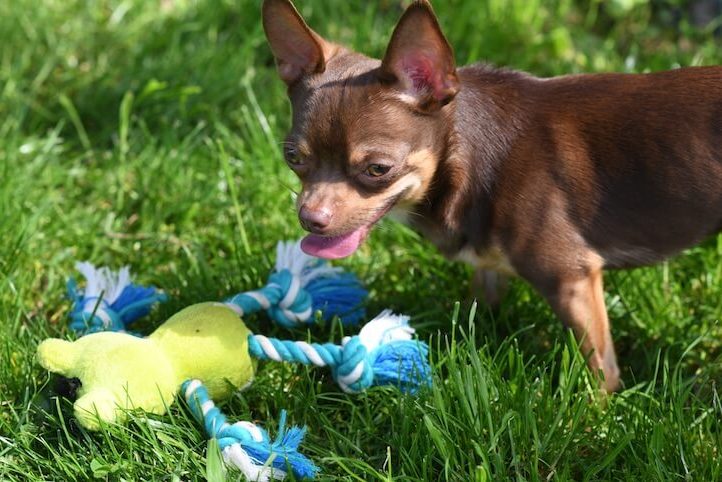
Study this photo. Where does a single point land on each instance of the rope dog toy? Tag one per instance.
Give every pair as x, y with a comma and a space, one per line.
299, 286
383, 353
109, 302
207, 352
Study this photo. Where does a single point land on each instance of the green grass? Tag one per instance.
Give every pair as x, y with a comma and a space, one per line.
148, 134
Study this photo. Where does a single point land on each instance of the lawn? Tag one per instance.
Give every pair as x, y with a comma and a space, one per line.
147, 133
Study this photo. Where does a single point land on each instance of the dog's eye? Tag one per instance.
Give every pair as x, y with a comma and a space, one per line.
377, 170
293, 157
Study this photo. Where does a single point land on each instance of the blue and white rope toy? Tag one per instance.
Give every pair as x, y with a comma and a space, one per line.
383, 353
300, 286
110, 301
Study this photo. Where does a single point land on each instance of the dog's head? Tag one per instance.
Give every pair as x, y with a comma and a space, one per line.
366, 133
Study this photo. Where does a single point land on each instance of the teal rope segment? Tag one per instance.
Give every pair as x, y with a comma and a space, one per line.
283, 297
274, 349
289, 303
247, 446
399, 362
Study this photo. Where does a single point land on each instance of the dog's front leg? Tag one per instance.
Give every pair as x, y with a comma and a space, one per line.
579, 303
490, 286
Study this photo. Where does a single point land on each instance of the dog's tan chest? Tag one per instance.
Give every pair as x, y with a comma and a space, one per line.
492, 259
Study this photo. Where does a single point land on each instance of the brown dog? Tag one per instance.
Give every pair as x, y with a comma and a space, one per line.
551, 179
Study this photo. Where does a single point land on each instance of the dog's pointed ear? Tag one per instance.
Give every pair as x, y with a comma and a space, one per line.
298, 49
419, 59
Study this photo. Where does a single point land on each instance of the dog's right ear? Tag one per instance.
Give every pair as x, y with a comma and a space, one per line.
298, 49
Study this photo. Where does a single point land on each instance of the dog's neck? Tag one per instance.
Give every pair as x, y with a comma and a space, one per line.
476, 132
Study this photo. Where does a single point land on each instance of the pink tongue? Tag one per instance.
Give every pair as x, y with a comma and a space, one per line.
333, 247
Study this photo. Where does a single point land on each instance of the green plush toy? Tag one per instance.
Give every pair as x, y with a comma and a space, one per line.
206, 352
119, 371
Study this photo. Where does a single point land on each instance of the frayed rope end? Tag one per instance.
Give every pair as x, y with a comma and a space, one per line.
109, 301
404, 364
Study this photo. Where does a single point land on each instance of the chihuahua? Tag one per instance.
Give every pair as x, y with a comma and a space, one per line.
552, 179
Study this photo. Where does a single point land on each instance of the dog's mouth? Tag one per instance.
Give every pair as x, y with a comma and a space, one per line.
343, 245
335, 247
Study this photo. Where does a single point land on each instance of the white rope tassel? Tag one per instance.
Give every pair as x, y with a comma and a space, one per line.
236, 456
104, 281
290, 256
385, 328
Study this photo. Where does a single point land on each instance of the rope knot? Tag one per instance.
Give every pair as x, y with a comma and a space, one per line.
354, 371
92, 314
294, 304
300, 286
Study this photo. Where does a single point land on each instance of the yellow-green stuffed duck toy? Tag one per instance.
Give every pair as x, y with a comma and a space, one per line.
120, 371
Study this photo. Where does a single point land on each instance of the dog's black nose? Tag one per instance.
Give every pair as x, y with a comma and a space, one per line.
314, 220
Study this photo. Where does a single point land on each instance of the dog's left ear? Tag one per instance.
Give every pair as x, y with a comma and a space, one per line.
298, 49
419, 60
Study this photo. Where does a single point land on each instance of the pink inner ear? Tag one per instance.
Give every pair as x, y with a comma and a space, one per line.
424, 75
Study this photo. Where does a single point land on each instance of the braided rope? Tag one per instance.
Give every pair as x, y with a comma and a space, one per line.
350, 366
247, 446
383, 353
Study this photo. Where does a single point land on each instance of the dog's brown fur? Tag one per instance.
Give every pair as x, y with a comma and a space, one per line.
551, 179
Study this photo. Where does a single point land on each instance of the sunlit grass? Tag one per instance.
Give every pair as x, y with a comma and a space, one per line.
148, 134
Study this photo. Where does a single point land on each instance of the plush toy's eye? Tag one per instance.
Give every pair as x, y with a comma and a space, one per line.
293, 157
377, 170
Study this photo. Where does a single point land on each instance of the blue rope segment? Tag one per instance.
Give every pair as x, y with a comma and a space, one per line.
92, 314
289, 303
355, 367
247, 446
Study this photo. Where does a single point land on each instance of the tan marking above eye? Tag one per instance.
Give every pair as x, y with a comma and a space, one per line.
364, 151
